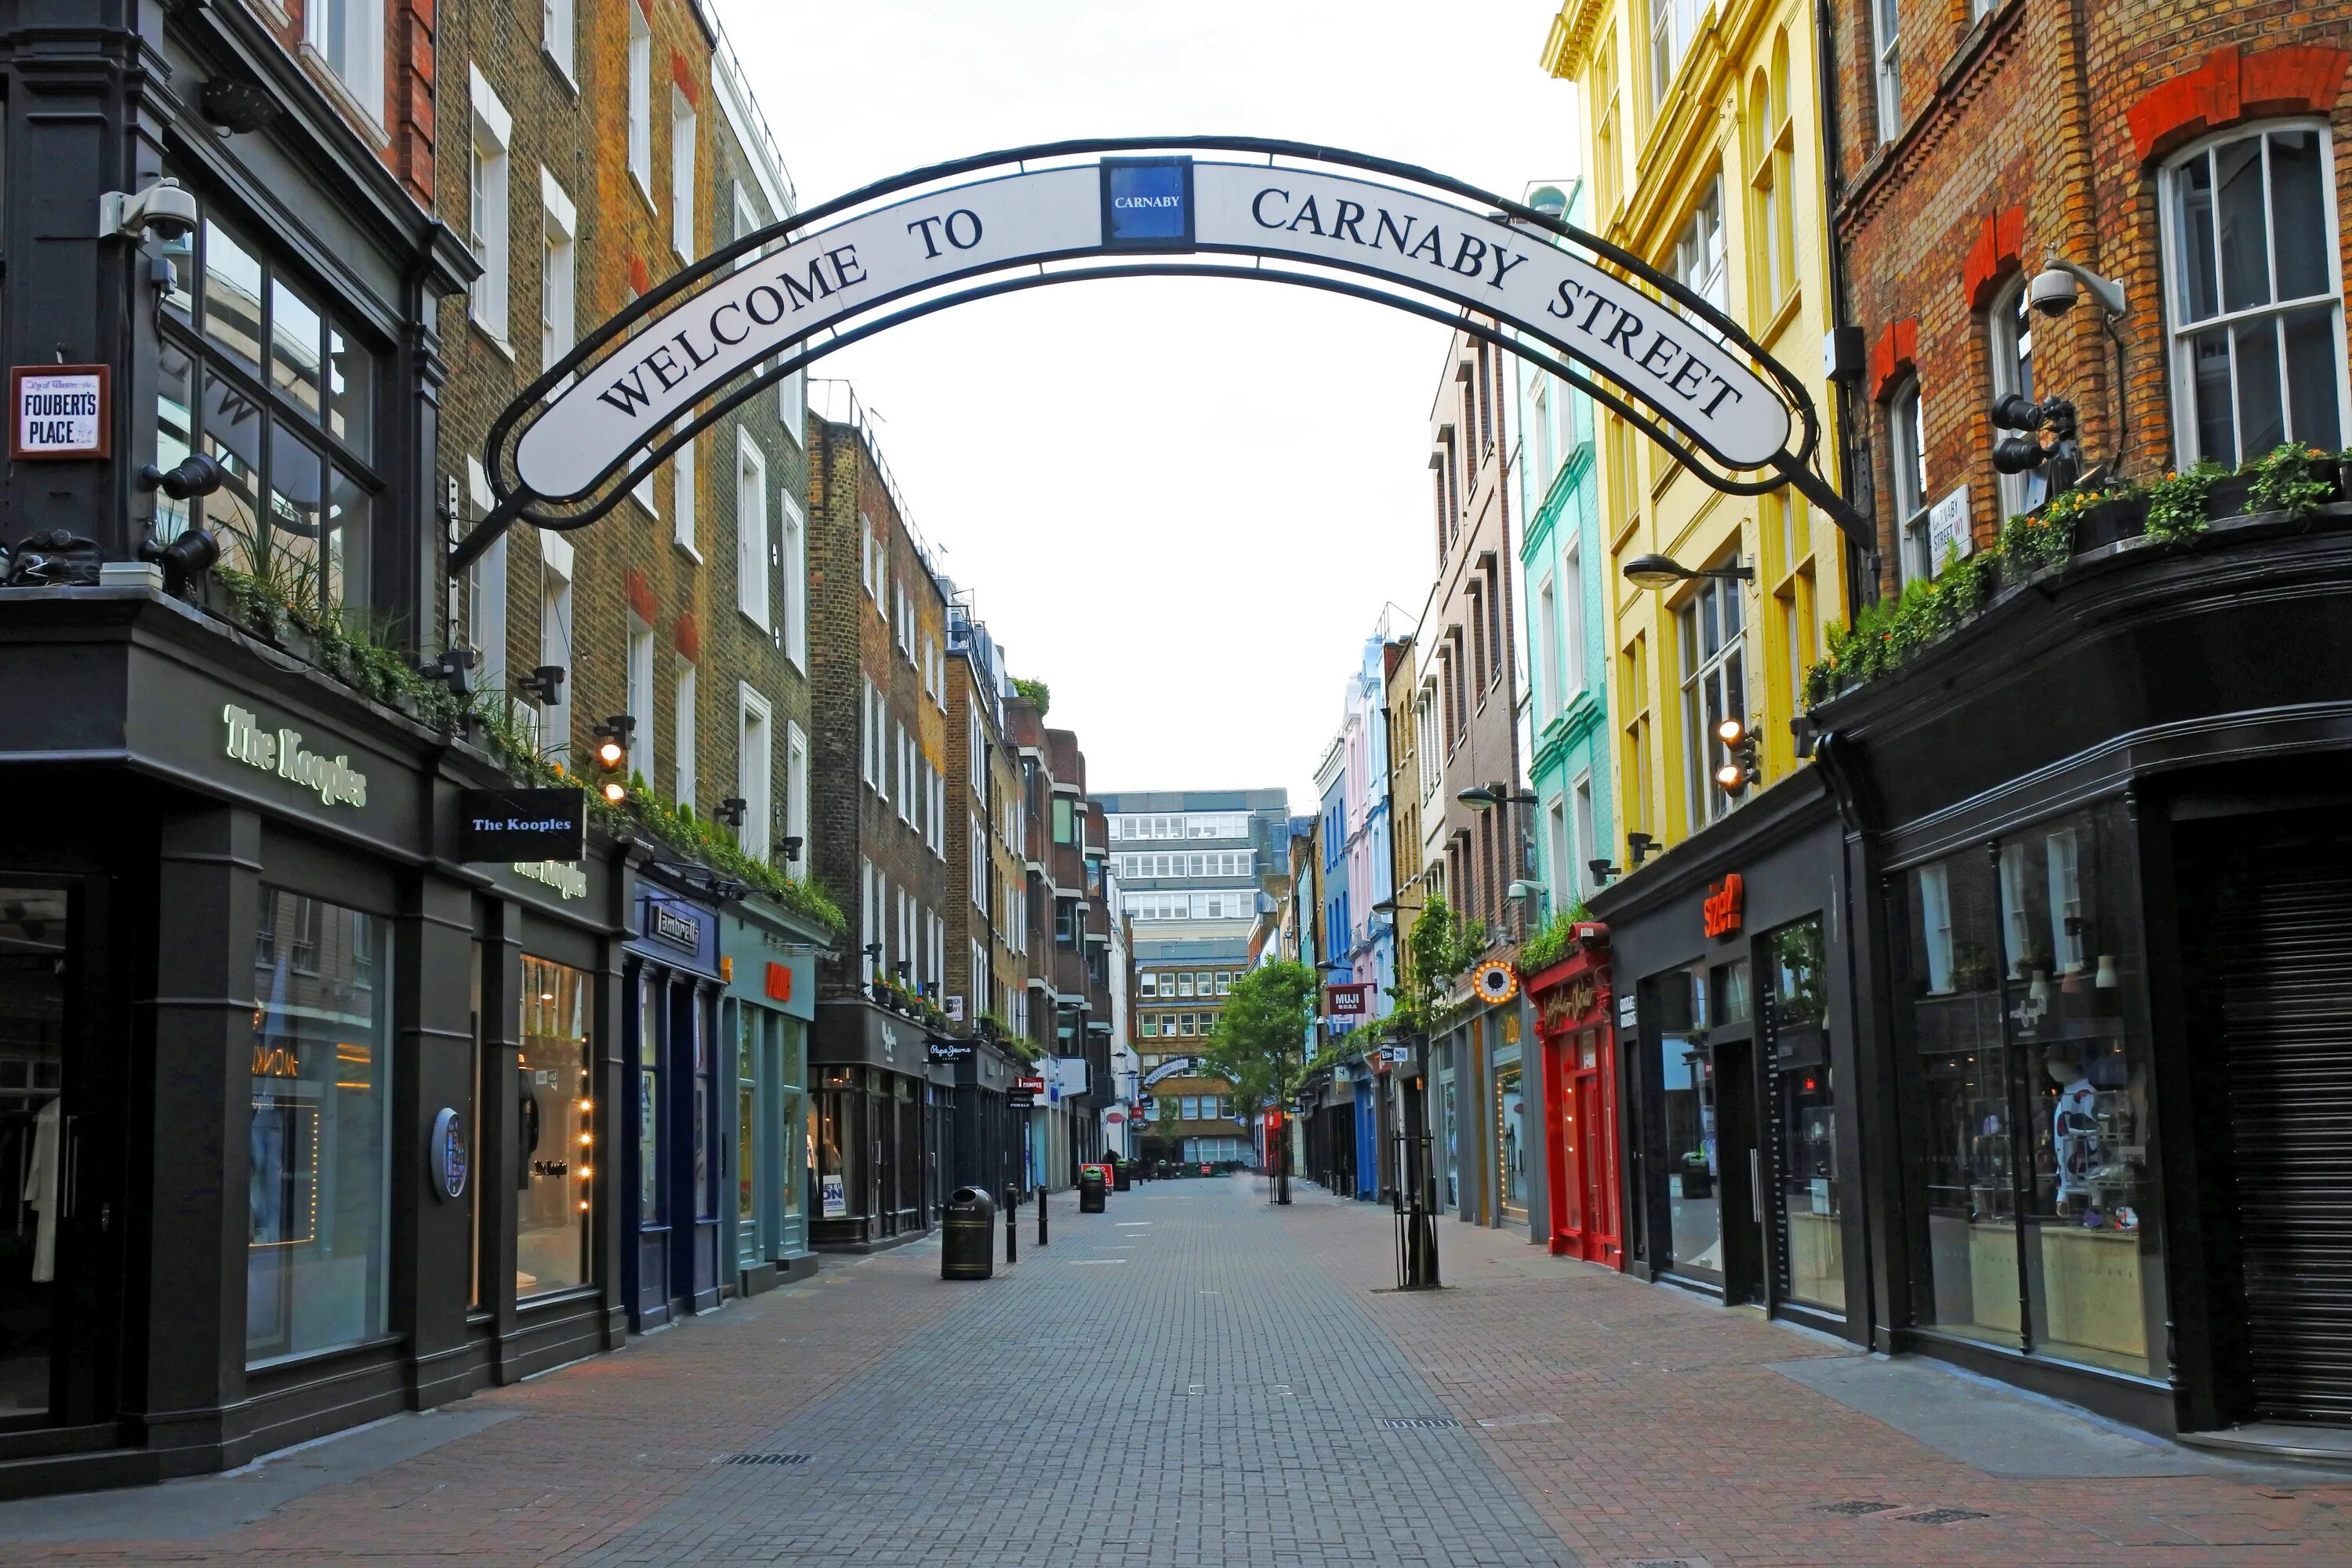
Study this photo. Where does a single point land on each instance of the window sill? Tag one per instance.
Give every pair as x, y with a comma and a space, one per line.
687, 549
563, 72
490, 336
643, 186
366, 118
765, 629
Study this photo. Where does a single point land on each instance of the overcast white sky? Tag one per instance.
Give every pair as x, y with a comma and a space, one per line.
1180, 503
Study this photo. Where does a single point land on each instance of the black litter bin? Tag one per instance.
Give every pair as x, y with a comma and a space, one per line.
968, 1236
1121, 1181
1090, 1191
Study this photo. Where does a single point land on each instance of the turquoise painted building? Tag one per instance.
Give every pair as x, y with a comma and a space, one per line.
1564, 584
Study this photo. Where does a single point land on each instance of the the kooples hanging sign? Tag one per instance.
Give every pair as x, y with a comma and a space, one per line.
282, 752
677, 359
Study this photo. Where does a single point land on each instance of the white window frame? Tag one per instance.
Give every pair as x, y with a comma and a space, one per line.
2008, 329
684, 476
746, 219
755, 765
796, 790
487, 195
1704, 675
640, 703
792, 554
641, 101
1586, 826
1547, 645
686, 687
1886, 66
2180, 333
486, 591
751, 547
555, 641
684, 155
559, 270
558, 36
356, 59
1906, 434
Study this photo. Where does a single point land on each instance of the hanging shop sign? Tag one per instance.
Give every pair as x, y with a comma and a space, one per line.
449, 1162
1495, 982
1020, 1097
1348, 1001
282, 752
513, 825
61, 410
1725, 902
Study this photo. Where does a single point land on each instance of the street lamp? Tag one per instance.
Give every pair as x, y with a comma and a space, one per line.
1655, 571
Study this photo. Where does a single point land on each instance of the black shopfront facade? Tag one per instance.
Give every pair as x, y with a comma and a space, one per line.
681, 1099
1741, 1153
2102, 833
313, 1110
877, 1102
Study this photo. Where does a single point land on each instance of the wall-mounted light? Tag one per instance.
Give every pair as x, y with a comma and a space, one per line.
1739, 769
790, 848
452, 668
1641, 845
732, 810
613, 755
184, 560
543, 685
1601, 869
1655, 571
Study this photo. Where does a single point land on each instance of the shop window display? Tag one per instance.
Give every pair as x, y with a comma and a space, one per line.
2034, 1081
318, 1178
1804, 1115
555, 1143
1511, 1140
1685, 1075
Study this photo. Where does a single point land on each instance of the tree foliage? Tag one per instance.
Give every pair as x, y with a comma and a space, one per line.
1035, 691
1259, 1044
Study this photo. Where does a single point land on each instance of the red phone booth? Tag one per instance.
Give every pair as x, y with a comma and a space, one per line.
1574, 1007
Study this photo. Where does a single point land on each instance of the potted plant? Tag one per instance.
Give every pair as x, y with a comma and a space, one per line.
2180, 505
2110, 516
2292, 479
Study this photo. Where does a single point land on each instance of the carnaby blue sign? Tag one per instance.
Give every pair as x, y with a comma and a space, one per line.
613, 404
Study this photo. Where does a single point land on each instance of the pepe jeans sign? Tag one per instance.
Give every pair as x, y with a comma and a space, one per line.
1703, 386
282, 752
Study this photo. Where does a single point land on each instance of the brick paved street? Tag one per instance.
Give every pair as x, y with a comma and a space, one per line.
1199, 1378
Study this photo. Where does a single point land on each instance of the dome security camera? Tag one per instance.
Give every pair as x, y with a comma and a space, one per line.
2051, 293
165, 210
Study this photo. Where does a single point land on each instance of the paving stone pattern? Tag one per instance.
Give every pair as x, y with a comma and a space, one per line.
1199, 1378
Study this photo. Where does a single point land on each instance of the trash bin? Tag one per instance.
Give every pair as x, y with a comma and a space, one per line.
1121, 1180
1090, 1190
968, 1236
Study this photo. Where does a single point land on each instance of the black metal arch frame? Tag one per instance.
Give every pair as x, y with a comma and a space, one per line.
515, 503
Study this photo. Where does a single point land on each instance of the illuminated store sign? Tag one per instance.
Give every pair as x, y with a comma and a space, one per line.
332, 779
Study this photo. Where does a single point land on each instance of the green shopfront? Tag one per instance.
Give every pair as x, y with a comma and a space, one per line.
767, 966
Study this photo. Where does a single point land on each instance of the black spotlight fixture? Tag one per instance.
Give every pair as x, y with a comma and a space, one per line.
544, 684
613, 756
1601, 869
184, 560
732, 810
2019, 453
453, 669
1641, 846
1739, 768
193, 476
790, 848
236, 106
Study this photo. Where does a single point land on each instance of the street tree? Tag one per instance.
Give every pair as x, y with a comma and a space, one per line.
1260, 1044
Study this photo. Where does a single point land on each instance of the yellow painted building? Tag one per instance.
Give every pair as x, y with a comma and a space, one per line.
1701, 133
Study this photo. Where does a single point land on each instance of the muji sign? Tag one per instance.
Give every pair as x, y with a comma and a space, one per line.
776, 300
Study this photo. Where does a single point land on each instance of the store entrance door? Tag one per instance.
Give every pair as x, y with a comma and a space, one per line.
1742, 1155
58, 1247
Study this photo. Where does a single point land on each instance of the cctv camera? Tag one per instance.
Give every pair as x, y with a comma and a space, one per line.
2051, 293
164, 210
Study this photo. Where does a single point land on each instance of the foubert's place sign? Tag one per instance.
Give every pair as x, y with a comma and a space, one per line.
1661, 355
282, 752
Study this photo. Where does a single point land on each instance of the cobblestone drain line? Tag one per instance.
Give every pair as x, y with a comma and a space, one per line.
1214, 1402
597, 1446
1675, 1442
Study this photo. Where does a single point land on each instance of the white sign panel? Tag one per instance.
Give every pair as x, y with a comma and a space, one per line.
676, 360
60, 411
1947, 528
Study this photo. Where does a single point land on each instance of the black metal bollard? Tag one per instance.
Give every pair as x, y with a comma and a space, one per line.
1012, 1225
1041, 1214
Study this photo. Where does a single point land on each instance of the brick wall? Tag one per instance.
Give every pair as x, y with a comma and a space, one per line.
401, 125
2035, 129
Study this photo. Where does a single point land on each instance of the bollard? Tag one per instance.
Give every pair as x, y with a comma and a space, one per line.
1012, 1225
1041, 1214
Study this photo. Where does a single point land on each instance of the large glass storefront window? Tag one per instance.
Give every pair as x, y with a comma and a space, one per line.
1685, 1075
1511, 1140
649, 1138
2034, 1089
792, 1133
747, 1113
1804, 1116
319, 1182
839, 1144
556, 1144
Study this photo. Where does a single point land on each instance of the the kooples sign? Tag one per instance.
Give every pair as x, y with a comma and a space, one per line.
677, 358
282, 752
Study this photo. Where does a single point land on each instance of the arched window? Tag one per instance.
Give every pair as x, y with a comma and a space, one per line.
2009, 331
2254, 302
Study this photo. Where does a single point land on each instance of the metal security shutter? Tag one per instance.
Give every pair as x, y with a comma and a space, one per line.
2285, 944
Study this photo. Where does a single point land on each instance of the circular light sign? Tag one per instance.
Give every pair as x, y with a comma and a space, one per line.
1495, 981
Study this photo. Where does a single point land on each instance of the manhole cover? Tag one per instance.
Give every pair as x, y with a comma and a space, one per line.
1853, 1507
1418, 1423
768, 1459
1944, 1516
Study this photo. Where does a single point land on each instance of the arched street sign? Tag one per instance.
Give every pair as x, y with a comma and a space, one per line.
757, 310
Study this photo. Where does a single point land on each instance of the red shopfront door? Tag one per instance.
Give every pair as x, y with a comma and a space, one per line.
1572, 1003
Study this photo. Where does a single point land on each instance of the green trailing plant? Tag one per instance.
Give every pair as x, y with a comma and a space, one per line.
2291, 477
1440, 948
1552, 941
1035, 692
681, 828
2180, 505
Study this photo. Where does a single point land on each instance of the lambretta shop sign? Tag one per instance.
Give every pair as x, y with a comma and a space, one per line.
1120, 206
